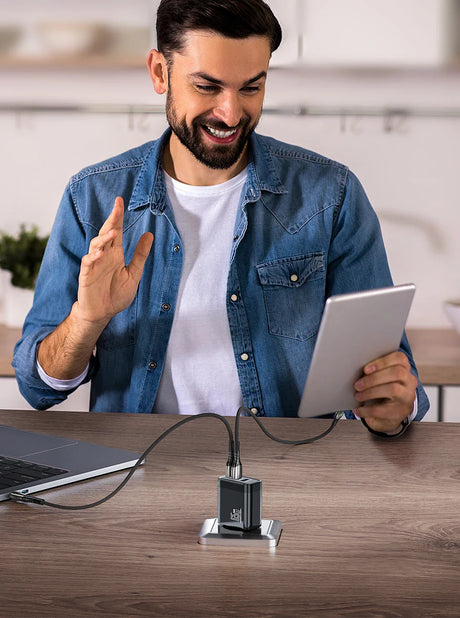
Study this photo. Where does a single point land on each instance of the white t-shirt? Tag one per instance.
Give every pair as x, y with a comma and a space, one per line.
200, 371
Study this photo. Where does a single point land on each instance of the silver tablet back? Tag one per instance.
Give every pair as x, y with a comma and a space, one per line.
355, 329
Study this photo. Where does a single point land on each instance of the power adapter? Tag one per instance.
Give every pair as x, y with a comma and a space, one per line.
239, 514
239, 504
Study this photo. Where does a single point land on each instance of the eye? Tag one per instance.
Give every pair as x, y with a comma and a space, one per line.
209, 88
251, 89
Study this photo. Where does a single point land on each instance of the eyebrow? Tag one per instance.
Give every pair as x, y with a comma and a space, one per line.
219, 82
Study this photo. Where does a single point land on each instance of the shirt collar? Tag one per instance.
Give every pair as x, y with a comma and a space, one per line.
263, 173
150, 188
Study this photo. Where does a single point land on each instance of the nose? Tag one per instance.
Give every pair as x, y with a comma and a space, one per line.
228, 108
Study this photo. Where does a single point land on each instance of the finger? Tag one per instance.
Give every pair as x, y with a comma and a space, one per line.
140, 256
88, 261
115, 219
389, 360
393, 391
395, 373
99, 243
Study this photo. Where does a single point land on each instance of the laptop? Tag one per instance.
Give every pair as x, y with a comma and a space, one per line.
31, 462
355, 329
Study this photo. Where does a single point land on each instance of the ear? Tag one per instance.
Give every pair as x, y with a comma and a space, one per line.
157, 66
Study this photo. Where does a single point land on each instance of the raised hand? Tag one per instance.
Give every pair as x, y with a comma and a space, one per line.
106, 284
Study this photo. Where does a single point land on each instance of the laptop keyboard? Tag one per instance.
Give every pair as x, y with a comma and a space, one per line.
15, 472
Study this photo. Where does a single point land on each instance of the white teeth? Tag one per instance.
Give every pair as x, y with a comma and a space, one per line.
221, 134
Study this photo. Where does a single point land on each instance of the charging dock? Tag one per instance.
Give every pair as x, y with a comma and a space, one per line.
267, 535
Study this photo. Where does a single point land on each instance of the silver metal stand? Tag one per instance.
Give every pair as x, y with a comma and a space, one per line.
268, 535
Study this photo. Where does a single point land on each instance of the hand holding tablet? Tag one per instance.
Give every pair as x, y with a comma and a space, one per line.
357, 329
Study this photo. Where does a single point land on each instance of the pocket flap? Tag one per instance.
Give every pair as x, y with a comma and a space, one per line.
291, 272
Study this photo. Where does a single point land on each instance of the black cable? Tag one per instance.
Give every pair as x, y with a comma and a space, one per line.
17, 497
233, 455
335, 420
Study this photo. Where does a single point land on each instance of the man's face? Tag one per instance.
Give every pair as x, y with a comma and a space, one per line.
215, 95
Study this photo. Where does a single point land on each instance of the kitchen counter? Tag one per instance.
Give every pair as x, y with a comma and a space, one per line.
437, 355
8, 339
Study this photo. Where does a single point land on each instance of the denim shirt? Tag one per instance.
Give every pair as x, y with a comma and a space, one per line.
299, 213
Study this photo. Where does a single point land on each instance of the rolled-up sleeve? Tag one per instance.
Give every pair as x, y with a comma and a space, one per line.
55, 293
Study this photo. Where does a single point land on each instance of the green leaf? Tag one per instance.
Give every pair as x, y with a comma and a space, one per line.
22, 255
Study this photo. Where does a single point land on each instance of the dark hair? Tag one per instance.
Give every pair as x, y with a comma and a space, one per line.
236, 19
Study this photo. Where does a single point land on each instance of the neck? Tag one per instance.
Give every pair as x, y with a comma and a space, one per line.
181, 165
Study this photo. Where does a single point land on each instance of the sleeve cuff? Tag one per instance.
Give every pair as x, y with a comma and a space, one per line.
61, 385
399, 430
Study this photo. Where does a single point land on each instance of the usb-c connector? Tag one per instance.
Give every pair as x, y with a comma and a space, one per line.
16, 496
236, 471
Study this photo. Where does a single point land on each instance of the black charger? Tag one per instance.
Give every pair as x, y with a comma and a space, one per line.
239, 505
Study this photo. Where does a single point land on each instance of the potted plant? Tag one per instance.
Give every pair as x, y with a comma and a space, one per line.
20, 256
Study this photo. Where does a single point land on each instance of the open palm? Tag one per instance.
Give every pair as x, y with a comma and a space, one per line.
106, 284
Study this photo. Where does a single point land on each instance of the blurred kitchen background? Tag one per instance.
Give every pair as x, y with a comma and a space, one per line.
374, 84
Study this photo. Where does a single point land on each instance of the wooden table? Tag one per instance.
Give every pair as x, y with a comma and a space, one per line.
371, 527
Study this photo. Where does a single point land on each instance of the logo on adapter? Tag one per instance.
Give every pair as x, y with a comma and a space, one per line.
235, 515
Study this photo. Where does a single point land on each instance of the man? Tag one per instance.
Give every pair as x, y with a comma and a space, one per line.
232, 242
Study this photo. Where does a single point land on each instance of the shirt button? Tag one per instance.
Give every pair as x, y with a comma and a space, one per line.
152, 365
166, 306
234, 297
176, 248
244, 356
294, 278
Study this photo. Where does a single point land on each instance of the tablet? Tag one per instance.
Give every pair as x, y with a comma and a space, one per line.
355, 329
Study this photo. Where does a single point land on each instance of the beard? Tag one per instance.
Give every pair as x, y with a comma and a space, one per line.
217, 156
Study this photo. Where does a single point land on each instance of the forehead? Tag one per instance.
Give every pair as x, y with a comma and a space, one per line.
229, 60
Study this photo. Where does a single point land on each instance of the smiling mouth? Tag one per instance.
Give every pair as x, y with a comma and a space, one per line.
220, 134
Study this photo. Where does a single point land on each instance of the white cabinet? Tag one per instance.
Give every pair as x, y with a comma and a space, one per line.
432, 414
451, 404
416, 33
289, 15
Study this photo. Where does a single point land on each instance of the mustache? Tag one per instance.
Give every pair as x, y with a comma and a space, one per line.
218, 125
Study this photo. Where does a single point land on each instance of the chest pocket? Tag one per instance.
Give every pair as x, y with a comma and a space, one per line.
293, 291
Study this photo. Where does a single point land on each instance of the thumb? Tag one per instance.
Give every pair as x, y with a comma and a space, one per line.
140, 256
